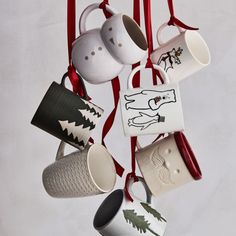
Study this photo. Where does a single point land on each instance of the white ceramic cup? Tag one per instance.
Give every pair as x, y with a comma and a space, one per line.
168, 164
183, 55
156, 109
81, 173
119, 217
100, 54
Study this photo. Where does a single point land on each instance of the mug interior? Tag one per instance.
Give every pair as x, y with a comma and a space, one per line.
198, 47
108, 209
135, 32
101, 168
188, 155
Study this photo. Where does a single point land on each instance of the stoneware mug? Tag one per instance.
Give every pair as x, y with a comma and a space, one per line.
183, 55
66, 115
119, 217
152, 110
81, 173
168, 164
100, 54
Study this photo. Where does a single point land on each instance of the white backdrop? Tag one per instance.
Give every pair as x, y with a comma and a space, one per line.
33, 53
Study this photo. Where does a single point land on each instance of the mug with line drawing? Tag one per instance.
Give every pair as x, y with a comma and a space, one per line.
183, 55
152, 110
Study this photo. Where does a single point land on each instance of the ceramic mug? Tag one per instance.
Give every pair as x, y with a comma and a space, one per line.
67, 116
81, 173
100, 54
168, 164
119, 217
152, 110
183, 55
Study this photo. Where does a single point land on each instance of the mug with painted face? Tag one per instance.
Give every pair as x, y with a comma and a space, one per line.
118, 216
157, 109
100, 54
66, 115
168, 164
183, 55
80, 174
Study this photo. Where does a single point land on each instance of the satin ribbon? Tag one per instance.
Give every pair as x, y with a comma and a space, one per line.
148, 27
174, 21
71, 35
116, 95
136, 84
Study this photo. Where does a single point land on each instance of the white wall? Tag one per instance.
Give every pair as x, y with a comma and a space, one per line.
33, 53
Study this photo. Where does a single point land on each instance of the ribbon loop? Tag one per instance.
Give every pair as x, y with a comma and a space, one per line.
175, 21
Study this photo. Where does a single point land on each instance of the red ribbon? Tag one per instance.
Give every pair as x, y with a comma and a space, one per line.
148, 26
116, 95
174, 21
71, 29
110, 120
136, 83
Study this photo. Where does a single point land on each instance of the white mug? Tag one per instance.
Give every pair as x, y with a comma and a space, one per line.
81, 173
152, 110
119, 217
168, 164
100, 54
183, 55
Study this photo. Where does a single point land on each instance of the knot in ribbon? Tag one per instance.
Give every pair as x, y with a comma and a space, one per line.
74, 79
103, 7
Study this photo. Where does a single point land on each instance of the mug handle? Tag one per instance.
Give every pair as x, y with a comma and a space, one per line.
85, 97
161, 28
60, 151
148, 192
138, 68
87, 11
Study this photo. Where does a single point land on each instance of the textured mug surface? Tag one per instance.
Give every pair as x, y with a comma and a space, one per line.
81, 173
183, 55
99, 55
67, 116
168, 164
151, 110
119, 217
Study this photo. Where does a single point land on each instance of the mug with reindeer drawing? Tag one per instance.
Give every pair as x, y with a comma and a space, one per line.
183, 55
117, 216
152, 110
168, 163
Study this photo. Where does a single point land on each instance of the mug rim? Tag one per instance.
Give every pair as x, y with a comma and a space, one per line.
188, 155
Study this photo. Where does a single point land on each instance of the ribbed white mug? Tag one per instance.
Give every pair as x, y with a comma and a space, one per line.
183, 55
81, 173
168, 163
118, 216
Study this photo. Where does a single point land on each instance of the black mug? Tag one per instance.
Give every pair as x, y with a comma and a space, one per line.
66, 115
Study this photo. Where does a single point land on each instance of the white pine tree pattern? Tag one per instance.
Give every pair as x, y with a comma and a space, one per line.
88, 115
96, 108
77, 131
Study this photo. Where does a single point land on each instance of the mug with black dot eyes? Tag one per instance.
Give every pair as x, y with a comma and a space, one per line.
100, 54
168, 164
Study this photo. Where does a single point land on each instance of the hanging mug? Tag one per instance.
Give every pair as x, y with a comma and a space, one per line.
118, 216
168, 163
100, 54
81, 173
67, 116
183, 55
152, 110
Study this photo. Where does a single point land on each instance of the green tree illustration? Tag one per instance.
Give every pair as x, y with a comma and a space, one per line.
138, 222
152, 211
